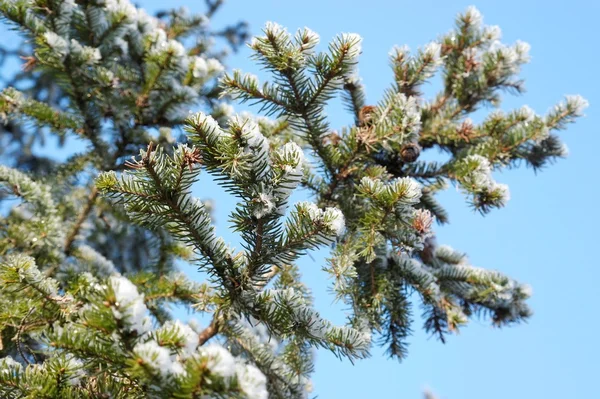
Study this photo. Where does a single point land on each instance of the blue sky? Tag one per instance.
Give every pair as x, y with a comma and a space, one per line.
545, 235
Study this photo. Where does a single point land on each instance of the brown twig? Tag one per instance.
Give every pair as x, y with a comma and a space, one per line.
208, 332
18, 336
76, 227
80, 219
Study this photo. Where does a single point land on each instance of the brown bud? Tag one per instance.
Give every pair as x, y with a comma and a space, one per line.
332, 138
29, 64
365, 116
192, 157
410, 152
422, 221
466, 130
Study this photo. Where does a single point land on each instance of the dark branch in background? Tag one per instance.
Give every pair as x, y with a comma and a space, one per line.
80, 219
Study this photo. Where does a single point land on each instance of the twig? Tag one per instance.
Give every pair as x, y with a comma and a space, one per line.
18, 336
80, 219
76, 227
208, 332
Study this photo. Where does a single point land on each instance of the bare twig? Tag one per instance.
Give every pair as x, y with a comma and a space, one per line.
209, 332
18, 335
80, 219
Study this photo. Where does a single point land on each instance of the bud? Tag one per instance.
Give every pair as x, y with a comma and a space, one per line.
410, 152
365, 115
422, 221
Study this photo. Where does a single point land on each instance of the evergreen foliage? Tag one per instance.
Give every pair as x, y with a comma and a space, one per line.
89, 248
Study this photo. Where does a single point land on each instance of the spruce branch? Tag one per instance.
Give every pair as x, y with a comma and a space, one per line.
91, 315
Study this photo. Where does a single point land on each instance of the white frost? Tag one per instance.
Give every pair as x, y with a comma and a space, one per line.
187, 335
474, 16
252, 381
577, 103
433, 51
220, 361
130, 306
335, 220
264, 205
332, 218
214, 66
158, 358
354, 42
199, 68
57, 43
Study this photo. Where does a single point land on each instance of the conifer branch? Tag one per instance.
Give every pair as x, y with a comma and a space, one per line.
91, 315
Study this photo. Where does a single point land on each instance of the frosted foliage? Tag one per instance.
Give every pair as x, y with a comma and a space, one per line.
214, 66
407, 189
122, 8
406, 113
86, 55
252, 381
273, 28
75, 366
259, 332
312, 210
492, 33
101, 265
175, 48
334, 218
526, 113
256, 142
331, 218
480, 175
7, 364
311, 35
522, 50
354, 43
303, 315
188, 336
130, 306
220, 361
422, 272
289, 161
577, 103
373, 198
224, 109
433, 51
210, 126
474, 16
199, 69
564, 150
158, 358
308, 40
502, 191
526, 290
399, 51
57, 43
251, 78
292, 154
263, 205
478, 179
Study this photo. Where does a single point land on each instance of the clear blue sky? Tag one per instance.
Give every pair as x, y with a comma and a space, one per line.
546, 236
